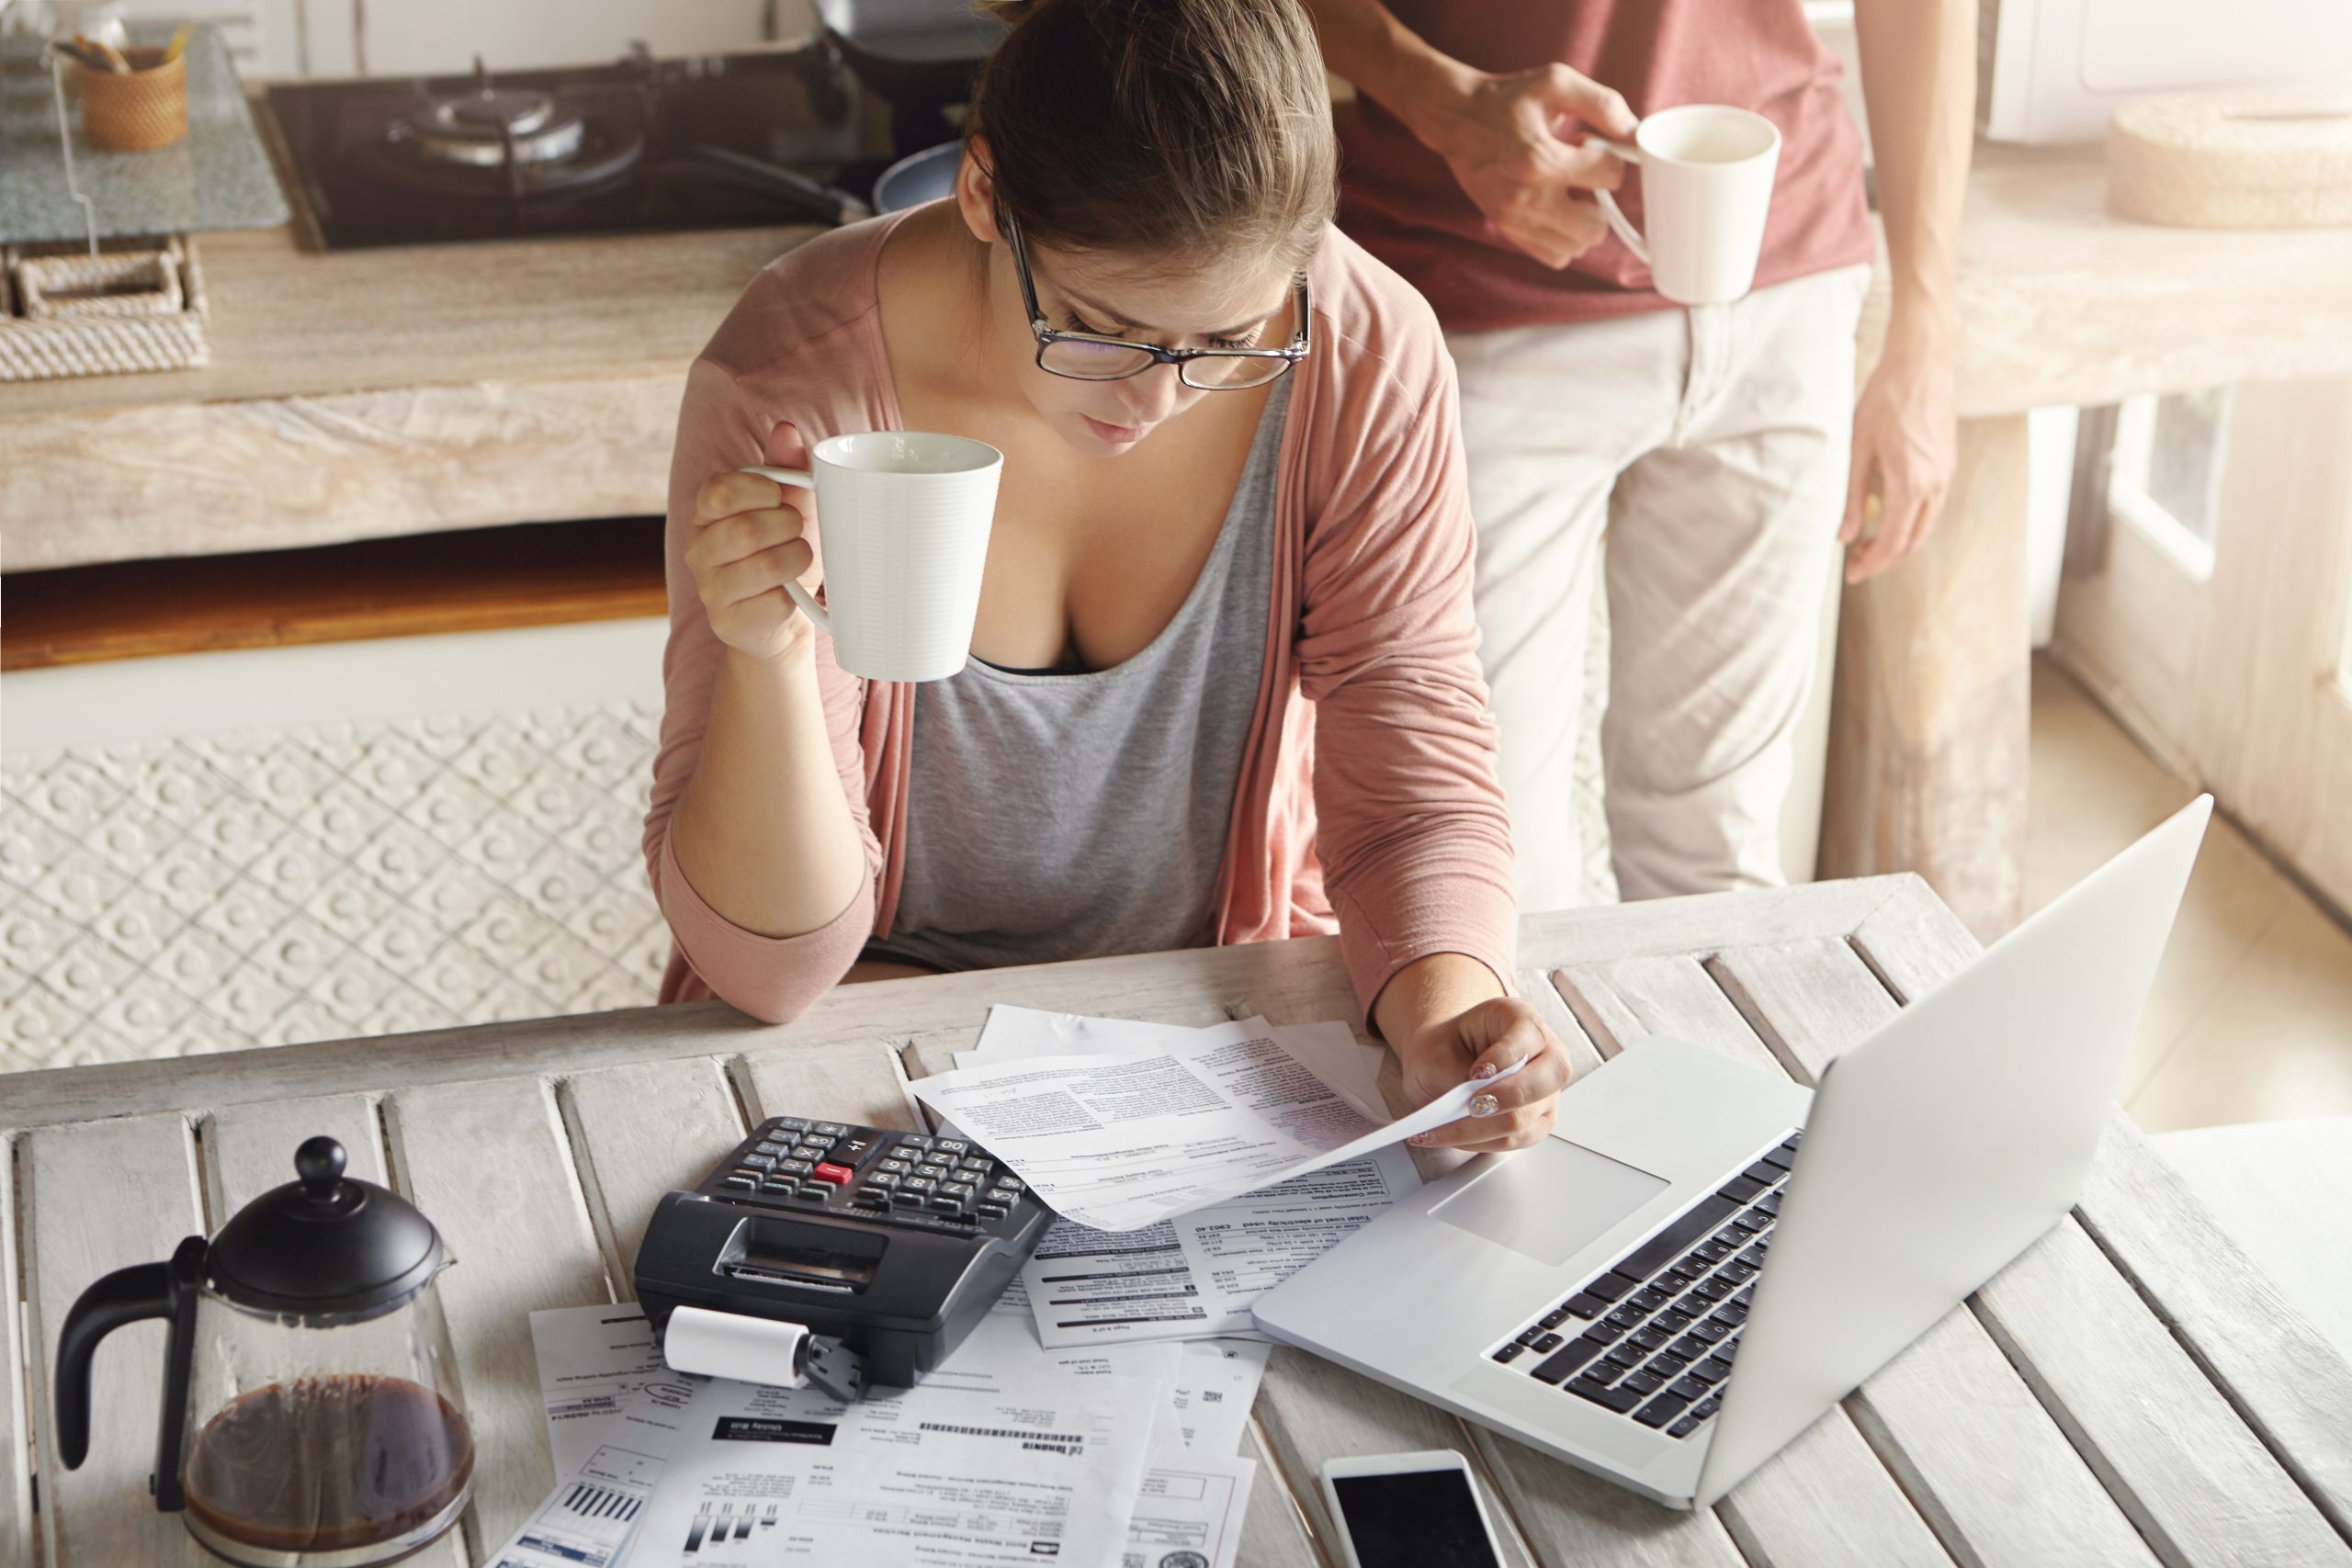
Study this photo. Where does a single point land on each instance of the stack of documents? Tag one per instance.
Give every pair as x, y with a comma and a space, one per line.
1007, 1453
1120, 1136
1096, 1415
1196, 1272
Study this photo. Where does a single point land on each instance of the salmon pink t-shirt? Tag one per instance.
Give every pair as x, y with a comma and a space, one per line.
1401, 202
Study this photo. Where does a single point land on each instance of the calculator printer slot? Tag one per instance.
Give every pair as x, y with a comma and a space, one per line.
785, 1252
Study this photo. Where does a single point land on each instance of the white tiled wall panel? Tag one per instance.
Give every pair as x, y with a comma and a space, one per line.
321, 881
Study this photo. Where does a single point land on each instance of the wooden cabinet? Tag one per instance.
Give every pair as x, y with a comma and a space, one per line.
2215, 619
288, 40
431, 37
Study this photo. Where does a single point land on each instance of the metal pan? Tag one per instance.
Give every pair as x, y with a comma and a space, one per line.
926, 177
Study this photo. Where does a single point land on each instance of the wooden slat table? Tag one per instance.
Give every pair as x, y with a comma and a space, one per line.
2131, 1391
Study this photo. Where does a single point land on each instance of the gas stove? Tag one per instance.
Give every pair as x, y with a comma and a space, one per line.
724, 141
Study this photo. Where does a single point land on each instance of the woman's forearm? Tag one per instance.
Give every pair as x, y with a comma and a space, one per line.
763, 831
1428, 991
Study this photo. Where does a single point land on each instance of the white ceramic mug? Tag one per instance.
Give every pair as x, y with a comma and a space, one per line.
904, 519
1706, 183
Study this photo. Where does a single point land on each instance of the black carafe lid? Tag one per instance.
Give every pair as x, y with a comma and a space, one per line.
327, 1246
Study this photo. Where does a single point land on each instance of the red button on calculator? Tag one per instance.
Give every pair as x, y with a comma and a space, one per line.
836, 1174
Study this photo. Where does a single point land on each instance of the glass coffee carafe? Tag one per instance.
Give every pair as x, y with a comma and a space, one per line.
311, 1417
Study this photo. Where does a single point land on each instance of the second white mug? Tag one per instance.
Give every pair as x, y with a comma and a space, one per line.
904, 518
1706, 185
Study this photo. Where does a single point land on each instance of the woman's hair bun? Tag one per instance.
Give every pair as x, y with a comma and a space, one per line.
1009, 12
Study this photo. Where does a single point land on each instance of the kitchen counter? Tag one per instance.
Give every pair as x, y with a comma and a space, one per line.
362, 394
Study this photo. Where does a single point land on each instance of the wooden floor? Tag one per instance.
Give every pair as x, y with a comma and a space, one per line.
2251, 1019
531, 574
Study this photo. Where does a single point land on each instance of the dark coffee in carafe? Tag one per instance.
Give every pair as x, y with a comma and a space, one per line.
327, 1464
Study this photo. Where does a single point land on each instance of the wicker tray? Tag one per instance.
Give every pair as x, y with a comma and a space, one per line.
138, 305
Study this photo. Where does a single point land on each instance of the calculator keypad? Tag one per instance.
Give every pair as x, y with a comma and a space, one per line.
897, 1178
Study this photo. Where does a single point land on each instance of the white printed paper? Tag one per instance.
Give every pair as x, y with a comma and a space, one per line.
933, 1475
587, 1520
597, 1367
591, 1360
1002, 1352
1196, 1488
1331, 1050
1217, 1384
1199, 1273
1120, 1139
1191, 1497
1190, 1514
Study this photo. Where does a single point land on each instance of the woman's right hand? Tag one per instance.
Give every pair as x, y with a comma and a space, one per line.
747, 545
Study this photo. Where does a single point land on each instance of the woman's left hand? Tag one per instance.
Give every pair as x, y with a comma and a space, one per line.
1481, 1042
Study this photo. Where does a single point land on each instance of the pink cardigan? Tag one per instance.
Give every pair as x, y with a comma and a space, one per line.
1368, 783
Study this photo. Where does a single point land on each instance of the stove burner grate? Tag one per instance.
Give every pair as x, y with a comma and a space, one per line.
509, 143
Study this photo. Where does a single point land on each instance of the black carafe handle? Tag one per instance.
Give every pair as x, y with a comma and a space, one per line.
130, 1295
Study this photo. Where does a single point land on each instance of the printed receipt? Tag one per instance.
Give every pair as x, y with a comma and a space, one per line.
1122, 1139
1197, 1274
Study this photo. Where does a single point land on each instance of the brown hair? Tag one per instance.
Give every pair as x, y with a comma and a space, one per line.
1196, 127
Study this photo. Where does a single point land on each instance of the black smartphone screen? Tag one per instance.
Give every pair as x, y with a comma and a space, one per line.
1418, 1519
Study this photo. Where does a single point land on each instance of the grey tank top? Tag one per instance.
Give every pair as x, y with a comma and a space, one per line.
1056, 816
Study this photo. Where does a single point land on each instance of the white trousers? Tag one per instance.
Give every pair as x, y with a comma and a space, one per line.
1698, 458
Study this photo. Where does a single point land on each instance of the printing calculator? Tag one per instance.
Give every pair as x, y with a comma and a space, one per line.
895, 1244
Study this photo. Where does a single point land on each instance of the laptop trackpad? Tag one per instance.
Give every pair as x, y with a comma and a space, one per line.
1549, 1202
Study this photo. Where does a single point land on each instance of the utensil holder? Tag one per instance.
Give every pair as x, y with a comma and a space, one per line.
138, 112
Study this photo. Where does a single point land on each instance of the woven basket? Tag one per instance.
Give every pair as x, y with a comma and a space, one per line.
126, 283
139, 112
139, 305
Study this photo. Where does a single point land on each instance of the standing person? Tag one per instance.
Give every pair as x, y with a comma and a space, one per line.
1708, 447
1223, 679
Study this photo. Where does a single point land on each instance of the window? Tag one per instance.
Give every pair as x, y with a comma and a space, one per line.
2167, 476
2344, 614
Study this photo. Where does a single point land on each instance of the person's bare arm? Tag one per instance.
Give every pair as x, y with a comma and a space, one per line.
1920, 87
763, 829
1498, 133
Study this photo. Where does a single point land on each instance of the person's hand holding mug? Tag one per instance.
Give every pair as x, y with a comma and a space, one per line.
747, 545
1502, 137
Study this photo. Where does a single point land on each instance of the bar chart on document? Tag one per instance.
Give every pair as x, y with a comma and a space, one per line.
602, 1503
717, 1524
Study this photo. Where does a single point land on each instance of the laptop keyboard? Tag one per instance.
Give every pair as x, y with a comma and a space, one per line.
1654, 1333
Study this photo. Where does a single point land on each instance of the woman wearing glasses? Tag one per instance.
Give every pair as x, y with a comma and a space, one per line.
1223, 679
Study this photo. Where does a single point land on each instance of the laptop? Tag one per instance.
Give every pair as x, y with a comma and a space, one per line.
1703, 1258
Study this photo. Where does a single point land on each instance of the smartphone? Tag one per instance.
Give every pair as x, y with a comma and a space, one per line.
1418, 1510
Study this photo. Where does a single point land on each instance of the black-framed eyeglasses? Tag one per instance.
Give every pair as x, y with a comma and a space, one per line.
1092, 357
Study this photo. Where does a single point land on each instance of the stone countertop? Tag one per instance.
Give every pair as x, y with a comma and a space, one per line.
217, 177
370, 393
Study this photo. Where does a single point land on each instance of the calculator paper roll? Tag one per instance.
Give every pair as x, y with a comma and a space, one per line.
722, 1345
